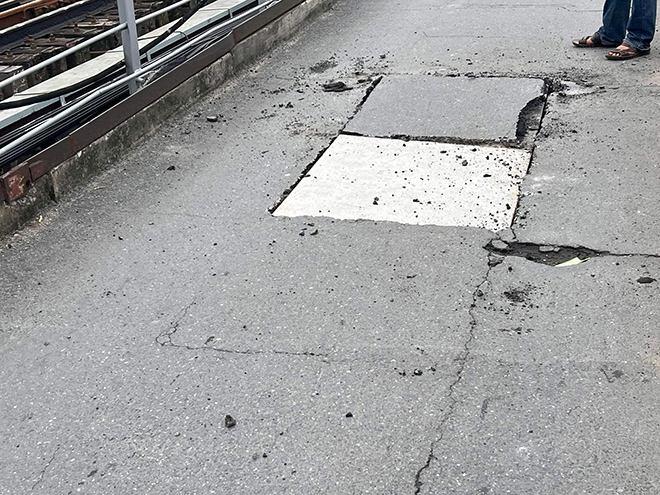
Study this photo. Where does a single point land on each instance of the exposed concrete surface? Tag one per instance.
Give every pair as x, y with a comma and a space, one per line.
421, 183
460, 108
144, 309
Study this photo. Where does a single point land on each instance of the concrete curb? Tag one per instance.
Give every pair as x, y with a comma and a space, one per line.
104, 152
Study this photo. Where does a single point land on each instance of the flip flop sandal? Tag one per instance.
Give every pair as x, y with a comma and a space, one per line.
583, 42
626, 53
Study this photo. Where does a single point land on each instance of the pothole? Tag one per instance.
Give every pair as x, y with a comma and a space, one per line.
428, 151
552, 255
544, 254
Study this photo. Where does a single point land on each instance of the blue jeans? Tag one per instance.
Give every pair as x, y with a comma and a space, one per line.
618, 18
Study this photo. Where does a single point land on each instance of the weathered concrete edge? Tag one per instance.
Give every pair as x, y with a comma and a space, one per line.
103, 153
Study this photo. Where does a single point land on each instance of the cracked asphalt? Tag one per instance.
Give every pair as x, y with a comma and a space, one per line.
355, 356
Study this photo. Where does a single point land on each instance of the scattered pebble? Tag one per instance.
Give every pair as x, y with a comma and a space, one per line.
645, 280
499, 245
335, 87
212, 118
229, 421
493, 261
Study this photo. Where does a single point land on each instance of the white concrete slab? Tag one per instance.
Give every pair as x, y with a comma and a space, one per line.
421, 183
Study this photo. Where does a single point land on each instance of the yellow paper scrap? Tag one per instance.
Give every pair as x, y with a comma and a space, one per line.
574, 261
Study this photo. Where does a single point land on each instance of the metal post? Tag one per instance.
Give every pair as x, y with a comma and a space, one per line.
129, 40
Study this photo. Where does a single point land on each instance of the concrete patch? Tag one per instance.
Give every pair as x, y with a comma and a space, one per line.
415, 182
465, 108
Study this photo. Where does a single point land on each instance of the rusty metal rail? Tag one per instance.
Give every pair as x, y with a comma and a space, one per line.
29, 10
69, 14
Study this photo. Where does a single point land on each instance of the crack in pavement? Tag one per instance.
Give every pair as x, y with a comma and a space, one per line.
462, 360
43, 471
528, 124
496, 143
164, 339
285, 194
498, 249
552, 255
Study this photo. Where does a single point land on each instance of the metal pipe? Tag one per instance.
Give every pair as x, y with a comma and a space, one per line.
60, 56
129, 40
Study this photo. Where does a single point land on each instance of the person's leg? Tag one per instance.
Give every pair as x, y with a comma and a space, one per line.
615, 21
641, 26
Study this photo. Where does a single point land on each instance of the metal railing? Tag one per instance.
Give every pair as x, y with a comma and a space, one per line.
42, 65
134, 70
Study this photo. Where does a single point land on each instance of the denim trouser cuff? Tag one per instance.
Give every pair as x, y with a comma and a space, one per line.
607, 41
642, 47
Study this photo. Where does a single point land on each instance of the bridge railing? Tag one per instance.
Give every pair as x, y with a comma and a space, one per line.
129, 39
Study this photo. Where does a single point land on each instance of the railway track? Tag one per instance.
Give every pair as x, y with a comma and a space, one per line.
25, 44
13, 12
35, 119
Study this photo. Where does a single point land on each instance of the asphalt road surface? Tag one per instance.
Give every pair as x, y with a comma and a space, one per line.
353, 356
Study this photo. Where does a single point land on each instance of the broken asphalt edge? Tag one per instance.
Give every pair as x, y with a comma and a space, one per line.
528, 126
553, 255
102, 154
285, 194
